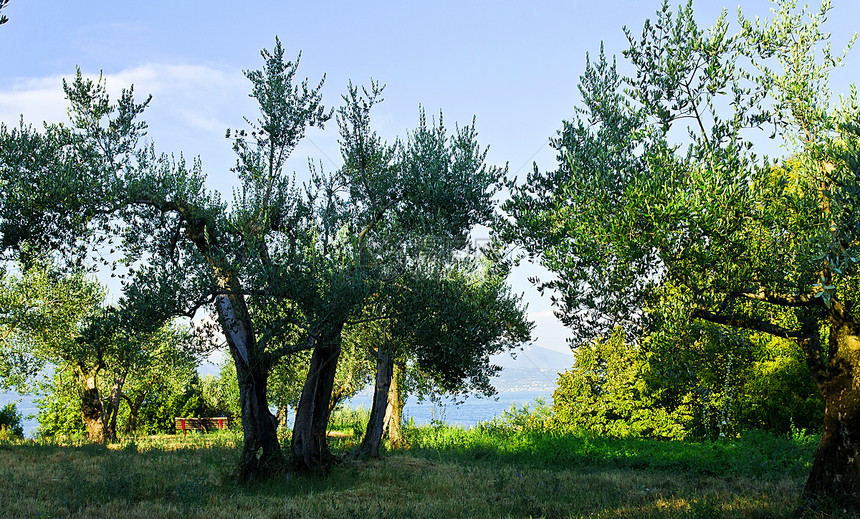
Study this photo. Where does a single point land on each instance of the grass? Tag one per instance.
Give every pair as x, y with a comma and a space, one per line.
487, 471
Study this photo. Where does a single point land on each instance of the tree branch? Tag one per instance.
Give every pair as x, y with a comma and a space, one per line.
374, 319
747, 323
362, 236
197, 305
810, 343
308, 343
795, 301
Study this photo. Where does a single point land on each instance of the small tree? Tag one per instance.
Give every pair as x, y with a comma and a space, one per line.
607, 392
10, 422
60, 320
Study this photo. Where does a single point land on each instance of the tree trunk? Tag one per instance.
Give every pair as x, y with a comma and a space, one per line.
283, 417
133, 411
309, 448
336, 398
91, 407
261, 456
372, 441
394, 412
112, 410
835, 474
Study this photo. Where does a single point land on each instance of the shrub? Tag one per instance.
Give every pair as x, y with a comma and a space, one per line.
706, 383
60, 408
345, 418
606, 392
10, 422
538, 417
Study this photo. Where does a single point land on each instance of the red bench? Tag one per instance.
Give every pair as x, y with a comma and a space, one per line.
200, 424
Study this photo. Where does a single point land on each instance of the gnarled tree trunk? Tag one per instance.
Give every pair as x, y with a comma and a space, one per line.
112, 411
309, 447
372, 440
261, 455
91, 406
835, 474
394, 411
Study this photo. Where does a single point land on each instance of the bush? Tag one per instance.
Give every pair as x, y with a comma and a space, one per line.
706, 383
345, 418
525, 418
606, 392
10, 422
778, 393
220, 395
180, 395
60, 408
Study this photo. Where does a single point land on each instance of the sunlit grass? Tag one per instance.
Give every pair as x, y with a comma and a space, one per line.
448, 472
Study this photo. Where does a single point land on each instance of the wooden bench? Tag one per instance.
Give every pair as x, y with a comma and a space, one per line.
200, 424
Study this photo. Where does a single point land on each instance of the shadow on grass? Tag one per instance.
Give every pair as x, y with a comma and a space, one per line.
449, 472
68, 479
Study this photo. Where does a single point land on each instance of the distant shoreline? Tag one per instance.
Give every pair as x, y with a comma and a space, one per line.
466, 414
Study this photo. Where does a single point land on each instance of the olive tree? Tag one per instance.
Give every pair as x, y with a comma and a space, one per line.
52, 318
90, 184
395, 214
57, 320
448, 324
661, 202
285, 266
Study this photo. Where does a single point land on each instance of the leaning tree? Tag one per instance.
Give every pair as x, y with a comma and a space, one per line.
662, 204
392, 217
446, 322
82, 188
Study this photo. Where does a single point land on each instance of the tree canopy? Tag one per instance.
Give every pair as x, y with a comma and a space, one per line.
663, 205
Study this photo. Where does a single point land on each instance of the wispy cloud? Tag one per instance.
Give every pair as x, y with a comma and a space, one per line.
545, 314
37, 99
193, 97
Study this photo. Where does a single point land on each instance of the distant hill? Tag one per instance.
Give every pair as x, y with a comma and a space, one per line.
534, 368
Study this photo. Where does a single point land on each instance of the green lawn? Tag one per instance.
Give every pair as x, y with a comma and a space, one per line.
448, 472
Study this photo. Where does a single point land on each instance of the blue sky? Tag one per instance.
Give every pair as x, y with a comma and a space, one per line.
513, 65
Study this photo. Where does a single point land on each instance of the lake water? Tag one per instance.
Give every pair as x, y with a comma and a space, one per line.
465, 414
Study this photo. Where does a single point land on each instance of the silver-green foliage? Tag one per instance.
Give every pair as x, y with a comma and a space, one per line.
659, 182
